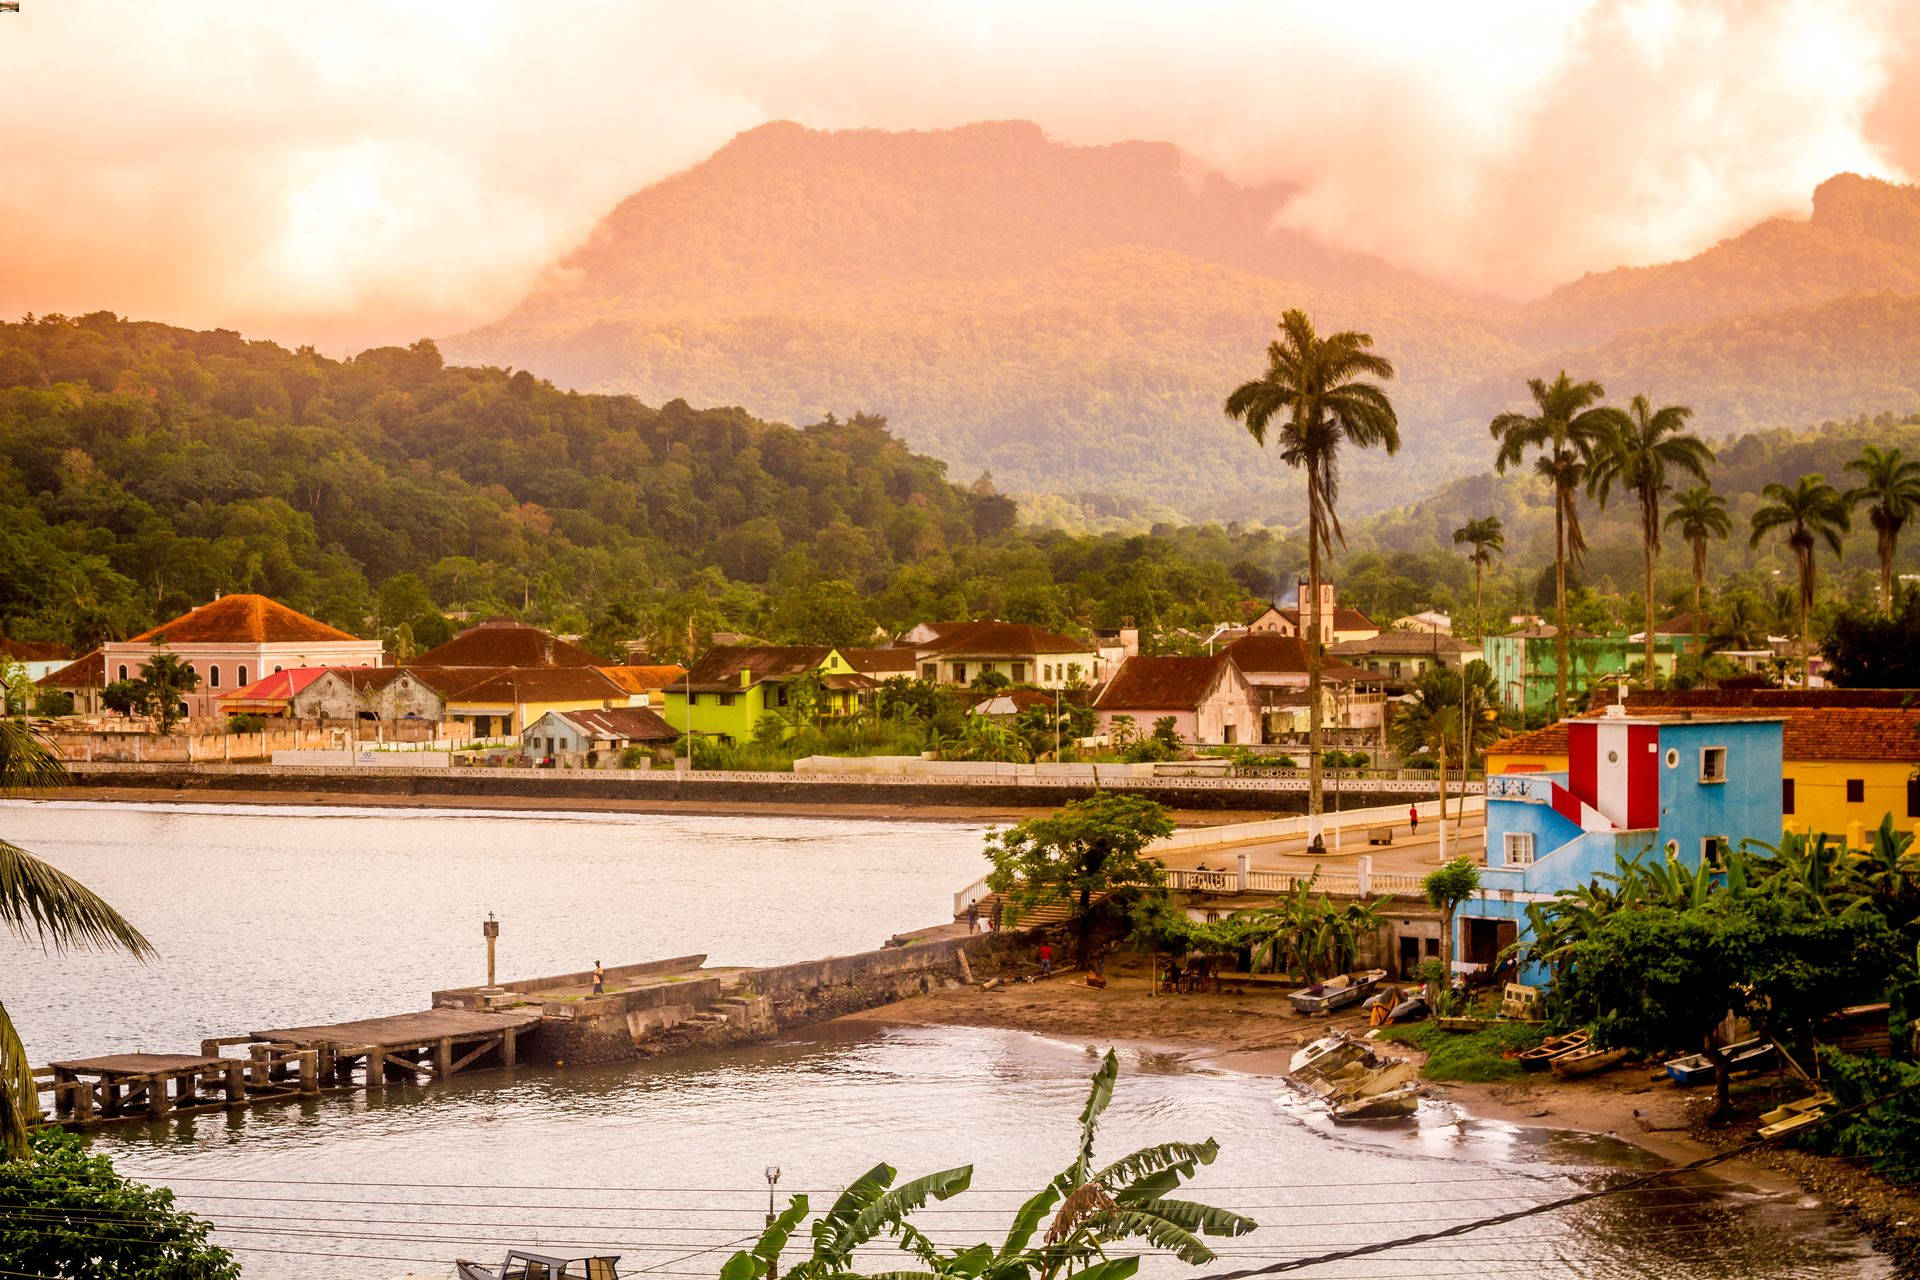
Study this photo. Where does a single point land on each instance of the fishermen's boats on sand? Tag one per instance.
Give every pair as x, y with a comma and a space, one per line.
523, 1265
1742, 1057
1541, 1056
1586, 1062
1336, 993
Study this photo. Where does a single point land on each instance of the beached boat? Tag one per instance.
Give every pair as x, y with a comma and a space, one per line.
1464, 1025
1586, 1062
1743, 1057
1336, 993
521, 1265
1542, 1055
1389, 1089
1388, 1104
1328, 1053
1795, 1115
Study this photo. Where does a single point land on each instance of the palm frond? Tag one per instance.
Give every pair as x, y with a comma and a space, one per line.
1151, 1160
28, 761
40, 902
1097, 1099
19, 1100
1196, 1218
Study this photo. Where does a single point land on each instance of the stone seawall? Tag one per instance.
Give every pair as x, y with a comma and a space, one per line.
642, 786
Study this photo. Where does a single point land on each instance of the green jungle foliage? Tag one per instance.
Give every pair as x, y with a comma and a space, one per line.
1474, 1056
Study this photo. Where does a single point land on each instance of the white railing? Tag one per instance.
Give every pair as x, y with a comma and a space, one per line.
1349, 821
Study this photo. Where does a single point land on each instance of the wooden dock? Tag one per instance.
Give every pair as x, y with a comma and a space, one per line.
431, 1045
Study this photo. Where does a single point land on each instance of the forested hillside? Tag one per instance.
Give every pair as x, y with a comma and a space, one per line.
1070, 318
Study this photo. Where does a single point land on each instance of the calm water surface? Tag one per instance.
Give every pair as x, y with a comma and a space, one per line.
276, 916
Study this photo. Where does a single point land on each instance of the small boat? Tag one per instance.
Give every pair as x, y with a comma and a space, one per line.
1328, 1053
1542, 1055
1586, 1062
1743, 1057
1401, 1100
1463, 1025
522, 1265
1336, 993
1795, 1115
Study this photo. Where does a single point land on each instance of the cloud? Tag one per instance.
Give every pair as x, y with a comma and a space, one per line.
373, 169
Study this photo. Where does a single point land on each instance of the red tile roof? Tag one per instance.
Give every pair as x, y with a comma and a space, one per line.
35, 651
1161, 684
881, 663
718, 669
277, 687
1402, 642
1267, 653
628, 724
643, 679
245, 619
990, 639
1807, 733
502, 685
89, 672
502, 642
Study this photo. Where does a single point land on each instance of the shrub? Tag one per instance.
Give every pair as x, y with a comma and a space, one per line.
53, 702
1473, 1057
246, 722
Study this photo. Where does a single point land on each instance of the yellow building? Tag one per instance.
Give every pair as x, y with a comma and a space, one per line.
1844, 766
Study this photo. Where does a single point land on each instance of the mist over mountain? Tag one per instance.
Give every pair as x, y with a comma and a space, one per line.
1070, 318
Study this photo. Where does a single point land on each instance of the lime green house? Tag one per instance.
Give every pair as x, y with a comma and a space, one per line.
727, 691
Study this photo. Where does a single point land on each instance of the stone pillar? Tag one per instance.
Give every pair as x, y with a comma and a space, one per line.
259, 1065
82, 1101
1363, 872
157, 1097
235, 1084
1243, 872
310, 1072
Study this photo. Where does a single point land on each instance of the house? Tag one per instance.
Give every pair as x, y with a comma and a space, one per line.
1209, 699
1399, 658
503, 642
730, 687
1009, 703
1634, 786
1524, 663
645, 685
1337, 621
883, 664
272, 694
500, 702
1113, 646
40, 657
235, 640
1849, 755
1428, 620
1276, 666
82, 679
595, 739
368, 693
962, 652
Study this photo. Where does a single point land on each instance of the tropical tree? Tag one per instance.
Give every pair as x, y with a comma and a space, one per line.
1568, 418
1699, 514
1440, 702
1810, 512
1065, 1229
1446, 887
1488, 537
40, 904
1305, 933
1315, 396
1639, 451
1889, 489
1077, 855
163, 681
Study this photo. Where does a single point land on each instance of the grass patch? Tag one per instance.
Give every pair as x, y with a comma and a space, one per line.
1471, 1057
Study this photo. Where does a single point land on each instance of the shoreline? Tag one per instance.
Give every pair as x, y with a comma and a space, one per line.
964, 814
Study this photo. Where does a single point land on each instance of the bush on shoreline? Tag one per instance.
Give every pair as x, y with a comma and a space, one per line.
1473, 1057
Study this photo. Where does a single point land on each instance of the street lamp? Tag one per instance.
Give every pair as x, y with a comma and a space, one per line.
773, 1176
490, 930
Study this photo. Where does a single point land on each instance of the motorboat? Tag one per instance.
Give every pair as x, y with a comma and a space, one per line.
1386, 1104
1743, 1057
1586, 1062
524, 1265
1354, 1082
1541, 1056
1336, 993
1328, 1053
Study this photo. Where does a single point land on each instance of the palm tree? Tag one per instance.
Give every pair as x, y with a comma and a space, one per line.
41, 904
1889, 488
1810, 512
1699, 514
1315, 395
1487, 536
1637, 453
1569, 419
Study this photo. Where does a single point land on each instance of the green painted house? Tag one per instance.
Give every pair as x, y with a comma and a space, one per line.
732, 686
1525, 663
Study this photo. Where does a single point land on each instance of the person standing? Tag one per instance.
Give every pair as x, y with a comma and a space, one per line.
1046, 959
1413, 818
973, 917
599, 979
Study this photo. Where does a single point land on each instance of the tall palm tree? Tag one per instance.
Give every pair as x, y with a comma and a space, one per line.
1810, 512
1889, 488
1699, 514
40, 904
1637, 453
1567, 421
1315, 395
1488, 537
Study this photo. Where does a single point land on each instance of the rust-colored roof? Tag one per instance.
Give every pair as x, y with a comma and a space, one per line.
1161, 684
1867, 733
1403, 642
278, 687
643, 679
718, 669
630, 724
35, 651
991, 639
1268, 653
502, 642
244, 619
504, 685
89, 672
881, 663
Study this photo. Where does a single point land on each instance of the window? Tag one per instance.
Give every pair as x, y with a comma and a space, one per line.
213, 676
929, 671
123, 671
276, 668
1226, 735
1519, 848
985, 667
959, 673
1073, 673
1913, 797
1856, 790
1713, 764
1786, 795
726, 699
1713, 852
693, 699
241, 678
1019, 673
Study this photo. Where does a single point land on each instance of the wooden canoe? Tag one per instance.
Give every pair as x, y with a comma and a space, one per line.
1586, 1062
1542, 1055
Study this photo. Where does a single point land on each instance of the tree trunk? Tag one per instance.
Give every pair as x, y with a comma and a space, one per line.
1309, 614
1699, 577
1722, 1078
1443, 780
1648, 529
1446, 962
1886, 573
1806, 624
1560, 606
1479, 618
1084, 928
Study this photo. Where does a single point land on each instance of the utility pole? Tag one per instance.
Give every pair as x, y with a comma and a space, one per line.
490, 929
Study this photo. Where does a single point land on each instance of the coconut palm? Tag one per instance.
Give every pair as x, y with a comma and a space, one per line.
1568, 419
1889, 489
1638, 452
38, 903
1807, 514
1315, 395
1488, 537
1699, 514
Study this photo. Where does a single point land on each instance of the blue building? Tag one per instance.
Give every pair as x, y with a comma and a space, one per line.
1634, 786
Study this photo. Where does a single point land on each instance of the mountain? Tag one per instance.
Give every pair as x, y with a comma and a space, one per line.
1069, 318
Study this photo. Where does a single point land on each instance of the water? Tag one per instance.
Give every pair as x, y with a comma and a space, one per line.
351, 914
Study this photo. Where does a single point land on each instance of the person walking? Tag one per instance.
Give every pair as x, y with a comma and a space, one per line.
1413, 818
1046, 959
998, 905
973, 917
599, 979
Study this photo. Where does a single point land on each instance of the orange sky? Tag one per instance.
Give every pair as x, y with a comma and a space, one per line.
363, 171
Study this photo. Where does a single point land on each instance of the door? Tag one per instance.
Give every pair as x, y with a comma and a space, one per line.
1409, 955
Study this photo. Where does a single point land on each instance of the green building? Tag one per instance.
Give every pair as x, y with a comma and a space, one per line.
1525, 664
732, 686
